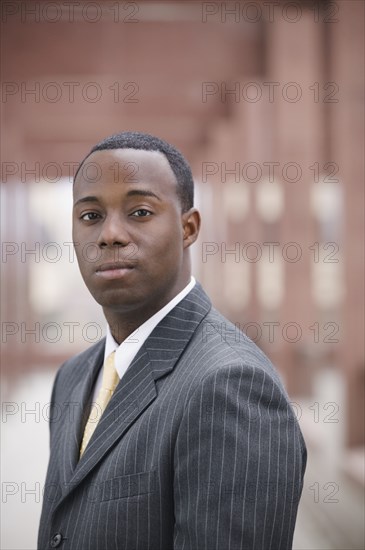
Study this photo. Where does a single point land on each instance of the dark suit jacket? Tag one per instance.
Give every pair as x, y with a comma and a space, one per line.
197, 449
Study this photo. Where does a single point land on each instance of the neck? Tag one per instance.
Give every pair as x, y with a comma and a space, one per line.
121, 326
123, 323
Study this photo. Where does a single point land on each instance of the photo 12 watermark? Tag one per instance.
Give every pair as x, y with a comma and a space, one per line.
269, 11
269, 171
269, 91
273, 331
69, 12
70, 91
270, 251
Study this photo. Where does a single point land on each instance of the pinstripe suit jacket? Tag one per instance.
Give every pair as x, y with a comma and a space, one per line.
197, 449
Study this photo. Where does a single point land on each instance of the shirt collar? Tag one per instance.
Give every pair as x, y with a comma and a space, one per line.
127, 350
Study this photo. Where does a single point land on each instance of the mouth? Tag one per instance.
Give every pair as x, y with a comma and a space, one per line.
114, 270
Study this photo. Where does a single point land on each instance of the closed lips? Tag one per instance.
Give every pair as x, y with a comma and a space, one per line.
117, 265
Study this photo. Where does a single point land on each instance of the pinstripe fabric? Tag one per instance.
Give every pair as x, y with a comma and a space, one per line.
198, 447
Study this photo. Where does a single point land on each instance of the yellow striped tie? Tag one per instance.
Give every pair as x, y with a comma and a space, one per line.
109, 383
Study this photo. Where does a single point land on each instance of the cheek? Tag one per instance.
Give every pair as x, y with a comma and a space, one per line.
86, 250
77, 240
83, 256
168, 241
79, 257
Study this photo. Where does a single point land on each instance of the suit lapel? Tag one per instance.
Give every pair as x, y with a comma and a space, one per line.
137, 389
79, 408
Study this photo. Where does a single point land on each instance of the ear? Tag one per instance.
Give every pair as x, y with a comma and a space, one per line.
191, 226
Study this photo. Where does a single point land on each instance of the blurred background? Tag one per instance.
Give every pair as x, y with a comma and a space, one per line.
265, 100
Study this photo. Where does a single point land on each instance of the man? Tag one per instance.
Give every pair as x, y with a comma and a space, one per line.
191, 442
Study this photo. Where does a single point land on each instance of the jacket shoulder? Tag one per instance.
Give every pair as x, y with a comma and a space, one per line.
229, 345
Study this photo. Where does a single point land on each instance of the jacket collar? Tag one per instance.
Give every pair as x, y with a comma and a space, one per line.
136, 390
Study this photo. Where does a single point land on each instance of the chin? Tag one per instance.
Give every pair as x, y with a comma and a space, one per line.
117, 299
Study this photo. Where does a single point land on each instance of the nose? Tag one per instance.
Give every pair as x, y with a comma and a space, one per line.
113, 232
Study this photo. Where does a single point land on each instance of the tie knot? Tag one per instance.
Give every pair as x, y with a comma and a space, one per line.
110, 375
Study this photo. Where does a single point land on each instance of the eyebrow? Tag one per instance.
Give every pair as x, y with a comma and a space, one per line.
131, 193
87, 199
142, 193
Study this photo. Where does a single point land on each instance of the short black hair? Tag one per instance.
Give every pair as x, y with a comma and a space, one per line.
147, 142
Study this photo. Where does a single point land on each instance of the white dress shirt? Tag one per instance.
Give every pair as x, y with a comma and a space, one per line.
127, 350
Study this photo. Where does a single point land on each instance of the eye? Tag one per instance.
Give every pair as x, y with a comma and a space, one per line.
90, 216
141, 213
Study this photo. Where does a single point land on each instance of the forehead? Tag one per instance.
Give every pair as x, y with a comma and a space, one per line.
126, 167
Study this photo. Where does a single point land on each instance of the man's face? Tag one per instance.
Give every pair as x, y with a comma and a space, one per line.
129, 233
